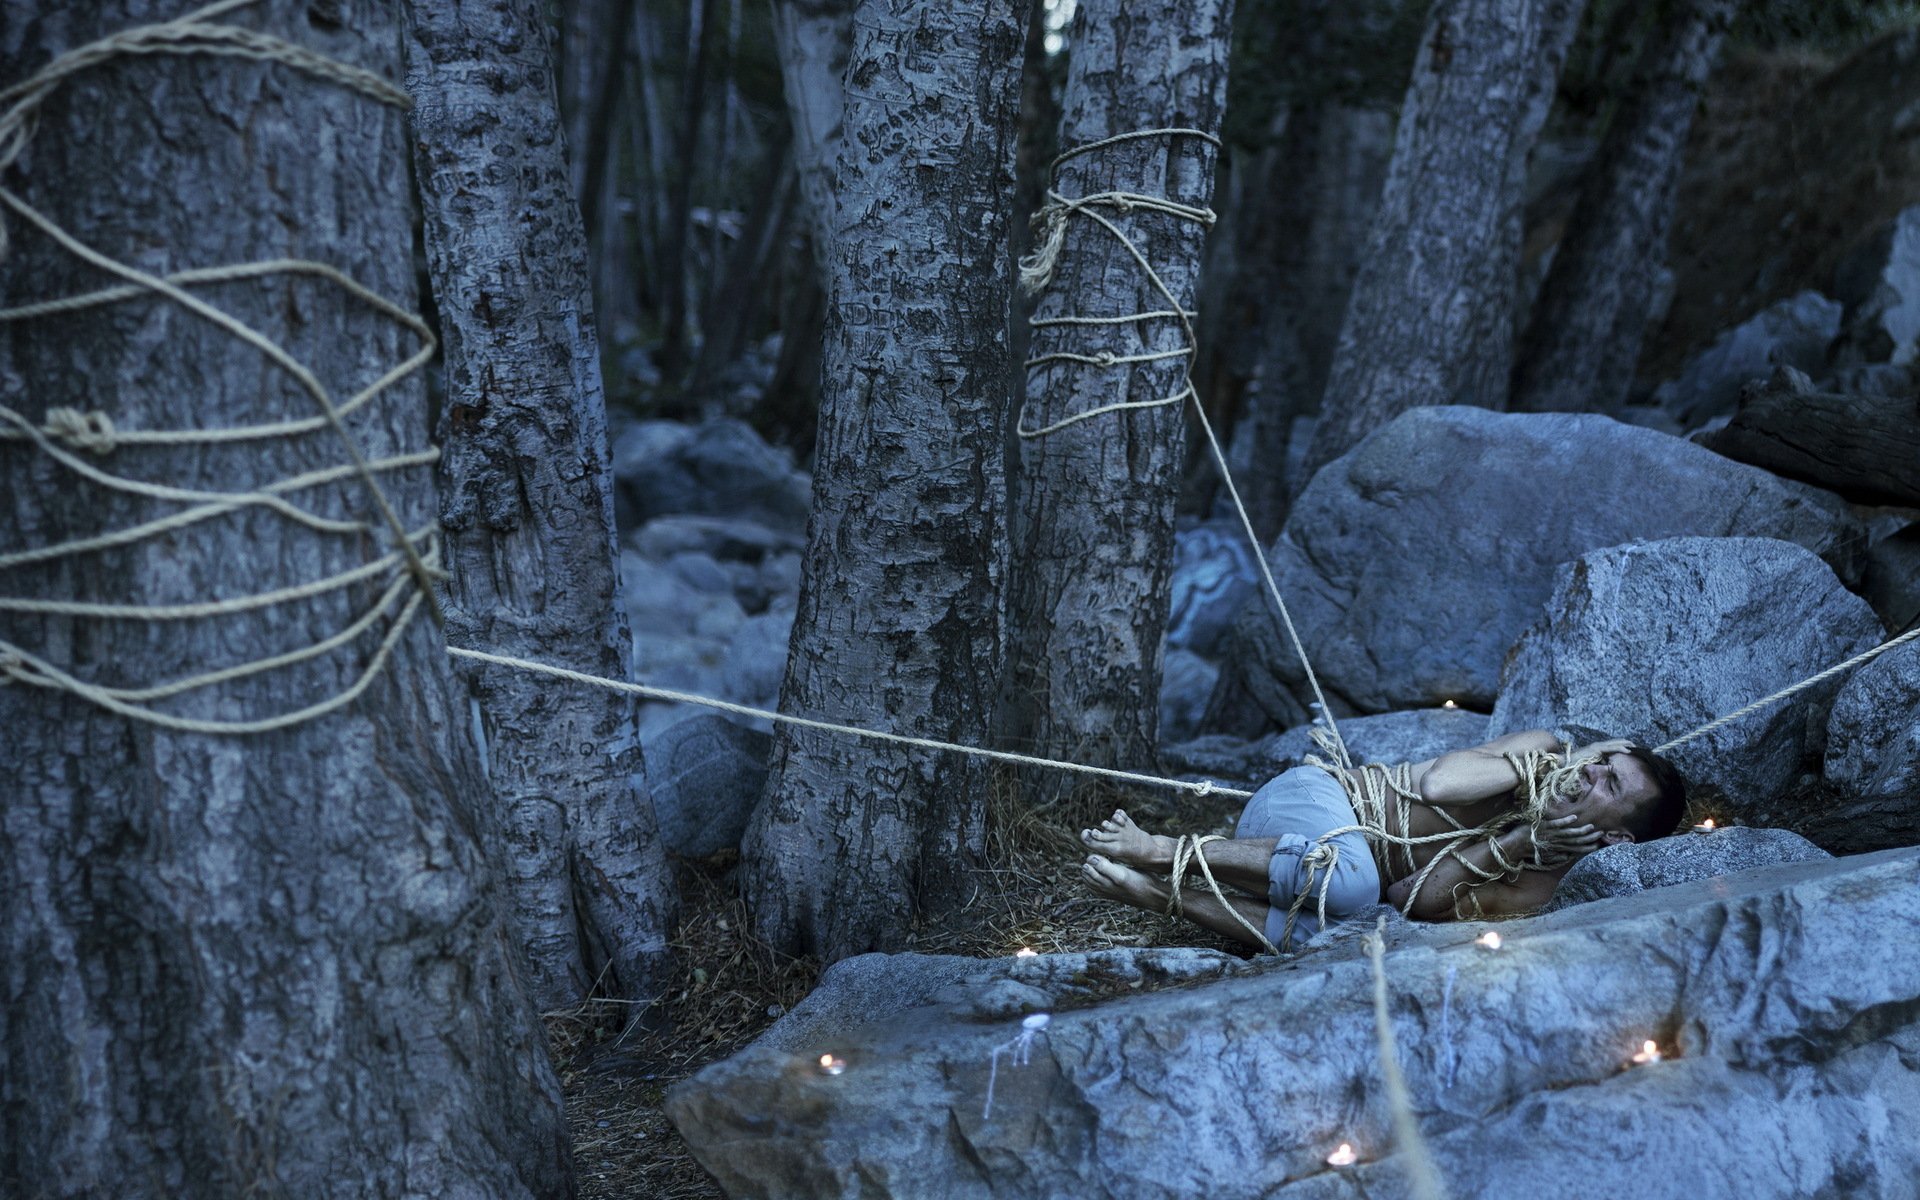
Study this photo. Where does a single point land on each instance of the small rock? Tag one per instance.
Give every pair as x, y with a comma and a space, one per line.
1873, 752
705, 774
1631, 867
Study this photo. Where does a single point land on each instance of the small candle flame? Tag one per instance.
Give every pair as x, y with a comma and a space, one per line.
1489, 939
1649, 1053
1449, 704
1343, 1157
1705, 826
831, 1065
1026, 952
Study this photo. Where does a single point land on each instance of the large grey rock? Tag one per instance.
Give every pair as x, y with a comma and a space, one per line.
1880, 285
1632, 867
1655, 639
1411, 563
1794, 332
719, 469
1891, 582
1186, 683
1214, 575
705, 774
756, 658
1780, 997
1873, 752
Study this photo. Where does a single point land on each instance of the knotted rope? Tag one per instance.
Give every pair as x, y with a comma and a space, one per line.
1186, 853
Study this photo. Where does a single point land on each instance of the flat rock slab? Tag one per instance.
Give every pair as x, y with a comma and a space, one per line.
1784, 1000
1412, 562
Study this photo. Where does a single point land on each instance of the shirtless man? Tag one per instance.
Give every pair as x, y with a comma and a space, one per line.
1628, 794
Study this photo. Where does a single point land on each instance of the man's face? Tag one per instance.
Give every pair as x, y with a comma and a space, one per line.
1612, 790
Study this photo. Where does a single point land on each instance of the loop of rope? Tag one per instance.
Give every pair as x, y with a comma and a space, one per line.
1187, 853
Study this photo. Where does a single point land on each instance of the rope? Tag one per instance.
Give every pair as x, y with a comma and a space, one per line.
404, 575
1036, 271
1186, 852
1421, 1172
1197, 787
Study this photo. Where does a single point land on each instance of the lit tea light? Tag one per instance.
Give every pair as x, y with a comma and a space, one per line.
1026, 952
1449, 704
1489, 939
1705, 826
834, 1065
1343, 1157
1649, 1053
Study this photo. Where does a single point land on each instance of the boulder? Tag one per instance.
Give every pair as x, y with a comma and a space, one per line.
1794, 332
1186, 682
705, 774
1790, 1066
1879, 283
1632, 867
719, 468
1412, 562
756, 657
1214, 575
1891, 581
1393, 737
1873, 752
1654, 639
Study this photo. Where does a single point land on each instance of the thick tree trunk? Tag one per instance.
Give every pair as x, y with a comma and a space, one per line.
898, 625
526, 503
1091, 521
1583, 337
1867, 448
1431, 316
275, 963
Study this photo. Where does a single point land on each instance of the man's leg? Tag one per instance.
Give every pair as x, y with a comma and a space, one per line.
1241, 862
1117, 881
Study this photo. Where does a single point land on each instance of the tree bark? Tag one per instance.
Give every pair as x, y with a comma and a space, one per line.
1583, 337
1867, 448
267, 964
527, 507
1091, 520
898, 625
1431, 316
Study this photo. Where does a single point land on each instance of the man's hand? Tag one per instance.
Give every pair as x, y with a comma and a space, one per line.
1602, 749
1566, 837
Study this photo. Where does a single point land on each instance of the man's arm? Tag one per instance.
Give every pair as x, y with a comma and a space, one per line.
1482, 773
1496, 897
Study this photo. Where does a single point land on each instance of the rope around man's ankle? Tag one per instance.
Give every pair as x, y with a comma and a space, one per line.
1186, 853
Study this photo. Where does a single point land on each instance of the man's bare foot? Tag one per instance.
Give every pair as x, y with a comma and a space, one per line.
1120, 839
1116, 881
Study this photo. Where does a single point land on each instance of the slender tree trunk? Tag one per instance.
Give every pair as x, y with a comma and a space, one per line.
735, 302
270, 964
526, 501
814, 38
689, 160
898, 626
1091, 522
1431, 316
1583, 337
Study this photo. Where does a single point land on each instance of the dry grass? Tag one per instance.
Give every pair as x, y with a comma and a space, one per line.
616, 1064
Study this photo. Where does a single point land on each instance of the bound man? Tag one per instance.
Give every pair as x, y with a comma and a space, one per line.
1473, 833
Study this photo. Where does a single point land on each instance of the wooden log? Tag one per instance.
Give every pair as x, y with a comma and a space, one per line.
1866, 448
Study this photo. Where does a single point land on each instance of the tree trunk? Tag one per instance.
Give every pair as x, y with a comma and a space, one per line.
1583, 337
273, 963
1091, 521
1430, 320
898, 625
814, 38
679, 196
526, 503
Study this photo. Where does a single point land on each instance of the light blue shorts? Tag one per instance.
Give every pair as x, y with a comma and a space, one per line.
1297, 807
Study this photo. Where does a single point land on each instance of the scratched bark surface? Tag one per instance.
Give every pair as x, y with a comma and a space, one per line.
1091, 520
1430, 317
813, 38
526, 502
275, 964
1583, 337
898, 624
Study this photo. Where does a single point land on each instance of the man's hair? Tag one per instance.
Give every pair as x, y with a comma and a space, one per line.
1660, 816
